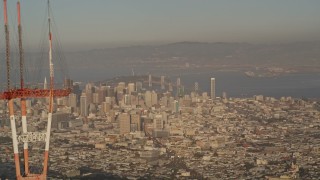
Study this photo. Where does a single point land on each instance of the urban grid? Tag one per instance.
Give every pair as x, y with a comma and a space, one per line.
157, 130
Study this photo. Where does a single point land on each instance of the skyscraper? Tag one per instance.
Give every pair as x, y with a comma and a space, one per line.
68, 83
138, 86
73, 100
158, 122
196, 87
151, 98
131, 88
178, 82
150, 80
213, 88
45, 84
170, 87
135, 119
95, 98
148, 98
124, 123
83, 106
154, 98
162, 82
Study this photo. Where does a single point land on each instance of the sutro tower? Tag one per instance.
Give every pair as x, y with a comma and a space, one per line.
22, 93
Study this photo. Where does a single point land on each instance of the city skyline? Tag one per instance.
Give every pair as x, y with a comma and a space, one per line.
204, 105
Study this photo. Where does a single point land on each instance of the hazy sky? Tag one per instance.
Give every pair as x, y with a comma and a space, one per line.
90, 23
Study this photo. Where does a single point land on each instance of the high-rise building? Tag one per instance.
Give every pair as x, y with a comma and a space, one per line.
102, 91
180, 91
124, 123
154, 98
151, 98
68, 83
121, 86
89, 96
45, 84
178, 82
170, 87
150, 80
164, 101
158, 122
73, 100
213, 88
95, 98
83, 106
224, 95
148, 98
110, 91
127, 99
138, 86
135, 119
175, 106
89, 88
162, 82
196, 87
106, 107
108, 100
164, 119
131, 88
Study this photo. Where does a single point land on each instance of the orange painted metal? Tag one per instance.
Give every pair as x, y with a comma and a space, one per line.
33, 93
45, 163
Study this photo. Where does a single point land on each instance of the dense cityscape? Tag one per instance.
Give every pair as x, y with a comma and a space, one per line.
155, 129
218, 90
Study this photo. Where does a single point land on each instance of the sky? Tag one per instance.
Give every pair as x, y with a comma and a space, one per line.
87, 24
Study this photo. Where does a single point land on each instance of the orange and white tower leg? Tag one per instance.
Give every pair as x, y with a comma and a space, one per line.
23, 101
10, 102
46, 153
14, 138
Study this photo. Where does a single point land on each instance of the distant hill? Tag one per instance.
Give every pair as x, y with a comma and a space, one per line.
189, 55
299, 53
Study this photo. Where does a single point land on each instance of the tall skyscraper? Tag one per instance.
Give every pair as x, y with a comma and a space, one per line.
45, 84
121, 86
213, 88
106, 107
158, 122
196, 87
175, 106
102, 91
162, 82
68, 83
95, 98
151, 98
131, 88
178, 82
110, 91
150, 80
138, 86
73, 100
148, 98
154, 98
124, 123
89, 88
135, 119
83, 106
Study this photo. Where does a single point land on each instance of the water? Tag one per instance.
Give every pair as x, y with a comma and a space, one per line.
236, 84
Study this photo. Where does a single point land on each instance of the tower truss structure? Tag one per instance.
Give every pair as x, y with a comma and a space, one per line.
22, 93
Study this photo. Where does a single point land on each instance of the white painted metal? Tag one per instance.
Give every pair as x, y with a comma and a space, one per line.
32, 137
14, 133
48, 132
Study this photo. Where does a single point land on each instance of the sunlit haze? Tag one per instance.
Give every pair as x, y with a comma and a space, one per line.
104, 23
